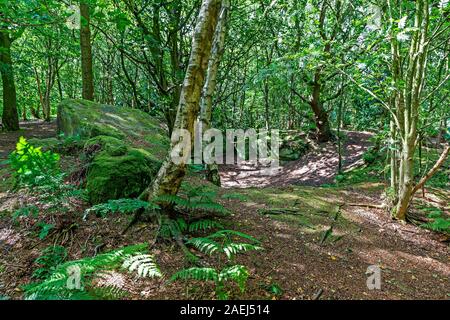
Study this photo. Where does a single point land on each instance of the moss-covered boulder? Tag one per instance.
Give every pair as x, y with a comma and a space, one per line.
292, 146
125, 147
118, 171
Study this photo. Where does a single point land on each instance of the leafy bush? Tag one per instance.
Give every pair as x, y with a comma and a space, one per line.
31, 166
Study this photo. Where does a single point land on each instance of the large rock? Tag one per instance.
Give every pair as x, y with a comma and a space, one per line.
293, 146
125, 147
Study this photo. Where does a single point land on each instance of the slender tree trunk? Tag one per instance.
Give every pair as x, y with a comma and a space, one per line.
49, 83
407, 102
339, 124
170, 175
393, 158
36, 111
210, 84
86, 53
58, 80
10, 117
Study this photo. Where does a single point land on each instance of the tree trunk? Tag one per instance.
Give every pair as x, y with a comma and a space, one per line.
10, 117
170, 175
86, 53
320, 115
409, 79
35, 112
407, 181
210, 85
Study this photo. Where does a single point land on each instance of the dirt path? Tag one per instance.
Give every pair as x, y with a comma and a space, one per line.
413, 263
317, 167
29, 129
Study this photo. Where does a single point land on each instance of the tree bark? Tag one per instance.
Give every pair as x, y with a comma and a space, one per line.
408, 74
210, 84
170, 175
86, 53
10, 117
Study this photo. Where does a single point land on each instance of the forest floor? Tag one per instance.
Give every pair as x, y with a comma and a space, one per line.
318, 167
318, 240
29, 129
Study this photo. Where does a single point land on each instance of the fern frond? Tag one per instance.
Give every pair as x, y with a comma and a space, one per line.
229, 233
201, 274
203, 225
143, 264
56, 286
173, 199
205, 245
208, 206
237, 273
231, 249
124, 206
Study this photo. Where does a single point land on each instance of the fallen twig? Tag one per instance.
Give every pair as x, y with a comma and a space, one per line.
368, 205
318, 294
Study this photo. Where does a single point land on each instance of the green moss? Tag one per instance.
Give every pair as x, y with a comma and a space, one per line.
111, 145
132, 143
124, 176
89, 119
292, 147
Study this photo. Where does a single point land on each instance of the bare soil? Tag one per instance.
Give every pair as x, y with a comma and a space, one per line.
317, 167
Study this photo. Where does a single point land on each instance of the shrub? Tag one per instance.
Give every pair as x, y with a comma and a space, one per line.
32, 166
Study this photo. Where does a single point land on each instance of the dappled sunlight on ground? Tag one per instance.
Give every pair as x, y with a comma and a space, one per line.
315, 168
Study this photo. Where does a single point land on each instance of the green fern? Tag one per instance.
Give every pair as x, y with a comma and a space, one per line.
201, 274
172, 228
143, 264
205, 245
27, 211
203, 225
194, 198
123, 206
232, 249
50, 258
236, 273
439, 222
221, 242
229, 233
55, 286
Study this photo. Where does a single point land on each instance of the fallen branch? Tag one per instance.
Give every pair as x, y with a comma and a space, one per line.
368, 205
277, 211
432, 171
